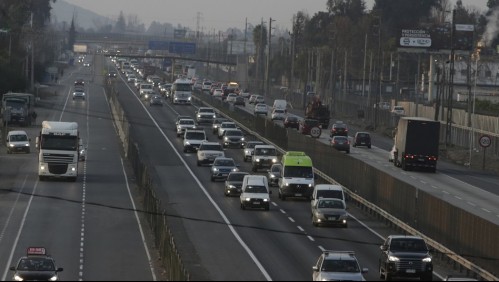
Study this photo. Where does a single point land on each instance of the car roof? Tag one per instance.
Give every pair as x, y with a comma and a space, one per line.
228, 122
265, 146
210, 143
17, 132
253, 178
255, 142
189, 119
339, 255
405, 237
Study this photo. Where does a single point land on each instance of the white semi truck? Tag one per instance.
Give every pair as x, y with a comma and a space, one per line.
58, 150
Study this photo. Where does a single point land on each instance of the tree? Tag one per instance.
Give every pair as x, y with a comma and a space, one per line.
71, 36
120, 26
353, 9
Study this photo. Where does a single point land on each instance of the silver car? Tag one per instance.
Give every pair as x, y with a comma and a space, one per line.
183, 125
250, 149
329, 211
222, 167
338, 266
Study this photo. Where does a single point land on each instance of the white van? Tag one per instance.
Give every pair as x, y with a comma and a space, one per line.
17, 141
255, 192
280, 105
146, 89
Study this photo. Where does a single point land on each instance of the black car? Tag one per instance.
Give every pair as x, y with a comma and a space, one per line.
362, 139
234, 183
274, 174
292, 122
339, 129
36, 266
112, 74
239, 101
341, 143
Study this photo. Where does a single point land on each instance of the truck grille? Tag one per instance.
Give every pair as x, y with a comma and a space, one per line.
404, 264
58, 168
58, 159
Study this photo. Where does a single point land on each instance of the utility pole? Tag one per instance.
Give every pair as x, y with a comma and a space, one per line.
291, 76
380, 76
451, 83
364, 69
269, 55
245, 53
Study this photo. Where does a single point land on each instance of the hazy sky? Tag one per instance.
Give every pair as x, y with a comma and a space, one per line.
216, 14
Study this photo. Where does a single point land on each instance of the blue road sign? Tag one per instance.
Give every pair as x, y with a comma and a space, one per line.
182, 48
159, 45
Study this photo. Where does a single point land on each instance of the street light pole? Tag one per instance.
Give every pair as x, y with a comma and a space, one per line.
268, 58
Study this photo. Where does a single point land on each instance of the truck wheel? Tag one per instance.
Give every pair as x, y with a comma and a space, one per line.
427, 277
199, 163
72, 179
41, 178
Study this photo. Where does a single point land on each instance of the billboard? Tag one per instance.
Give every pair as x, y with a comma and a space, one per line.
158, 45
80, 48
438, 38
182, 48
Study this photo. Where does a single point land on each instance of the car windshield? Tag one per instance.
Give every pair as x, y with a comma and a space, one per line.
234, 133
276, 168
224, 162
340, 126
206, 111
35, 264
340, 266
186, 121
335, 194
255, 189
18, 138
252, 145
311, 122
228, 125
279, 111
363, 135
330, 204
236, 177
195, 135
299, 172
265, 152
211, 148
219, 121
340, 139
146, 86
408, 245
292, 119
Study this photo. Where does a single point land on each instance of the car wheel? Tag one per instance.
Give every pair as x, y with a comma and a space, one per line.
41, 178
212, 179
381, 275
267, 207
348, 152
369, 147
427, 277
199, 163
313, 222
185, 150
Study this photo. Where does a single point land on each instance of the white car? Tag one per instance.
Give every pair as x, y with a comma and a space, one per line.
183, 125
245, 95
193, 139
255, 192
17, 141
218, 93
278, 114
259, 100
261, 109
398, 110
338, 266
208, 152
231, 98
224, 126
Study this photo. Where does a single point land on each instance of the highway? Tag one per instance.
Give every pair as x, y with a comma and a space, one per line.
222, 241
475, 191
90, 226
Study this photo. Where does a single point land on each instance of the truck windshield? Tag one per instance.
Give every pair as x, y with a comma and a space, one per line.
298, 172
183, 87
15, 104
63, 143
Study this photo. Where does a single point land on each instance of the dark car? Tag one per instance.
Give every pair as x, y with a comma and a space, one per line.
341, 143
79, 82
36, 266
234, 183
112, 74
362, 139
217, 122
275, 173
239, 101
339, 129
292, 122
405, 256
156, 100
307, 124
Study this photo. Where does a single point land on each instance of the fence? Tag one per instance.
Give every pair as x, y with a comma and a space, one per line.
153, 208
471, 237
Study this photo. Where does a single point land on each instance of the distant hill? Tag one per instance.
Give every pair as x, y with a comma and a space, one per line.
62, 11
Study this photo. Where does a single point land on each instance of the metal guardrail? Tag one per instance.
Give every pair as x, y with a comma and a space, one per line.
434, 244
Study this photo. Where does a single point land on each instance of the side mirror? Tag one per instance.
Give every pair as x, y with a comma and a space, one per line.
37, 142
365, 270
60, 269
12, 268
315, 268
270, 192
383, 247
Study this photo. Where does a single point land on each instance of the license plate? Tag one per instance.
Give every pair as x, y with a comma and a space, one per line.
410, 271
421, 160
362, 143
332, 218
298, 195
225, 174
256, 203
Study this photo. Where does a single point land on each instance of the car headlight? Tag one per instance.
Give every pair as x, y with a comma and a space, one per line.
235, 169
199, 116
428, 259
247, 199
242, 139
18, 278
287, 184
274, 160
247, 152
42, 167
11, 145
73, 169
310, 185
202, 155
54, 278
215, 169
189, 99
265, 200
232, 187
272, 176
27, 145
187, 143
393, 259
257, 160
214, 116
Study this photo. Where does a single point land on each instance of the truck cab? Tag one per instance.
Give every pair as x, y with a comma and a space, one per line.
181, 92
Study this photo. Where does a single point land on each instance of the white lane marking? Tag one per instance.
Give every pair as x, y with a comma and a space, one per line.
291, 219
413, 177
471, 204
485, 210
207, 194
434, 187
424, 182
322, 248
16, 241
282, 211
301, 229
275, 204
445, 192
138, 222
459, 198
7, 222
311, 238
65, 104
